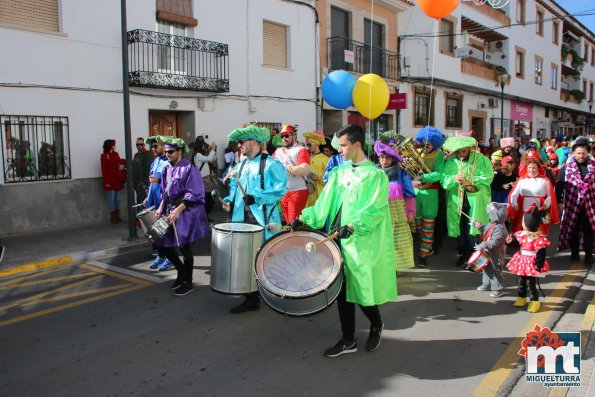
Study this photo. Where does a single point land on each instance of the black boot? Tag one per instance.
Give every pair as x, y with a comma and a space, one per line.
251, 302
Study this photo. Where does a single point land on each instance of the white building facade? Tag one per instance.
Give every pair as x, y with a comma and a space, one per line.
497, 72
196, 67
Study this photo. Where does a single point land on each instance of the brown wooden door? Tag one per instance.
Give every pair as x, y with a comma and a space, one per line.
163, 123
477, 127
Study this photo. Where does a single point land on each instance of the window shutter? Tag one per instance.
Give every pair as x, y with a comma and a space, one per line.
274, 44
176, 11
38, 14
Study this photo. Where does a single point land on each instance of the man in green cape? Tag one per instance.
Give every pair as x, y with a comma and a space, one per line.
355, 200
466, 180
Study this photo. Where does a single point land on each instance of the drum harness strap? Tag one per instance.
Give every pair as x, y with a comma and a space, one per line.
263, 160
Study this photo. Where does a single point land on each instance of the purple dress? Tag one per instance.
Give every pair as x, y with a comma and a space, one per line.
184, 182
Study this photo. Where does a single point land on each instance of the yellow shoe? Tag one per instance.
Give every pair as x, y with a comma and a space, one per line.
534, 306
520, 302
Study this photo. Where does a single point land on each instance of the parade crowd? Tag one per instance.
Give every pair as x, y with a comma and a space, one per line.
374, 199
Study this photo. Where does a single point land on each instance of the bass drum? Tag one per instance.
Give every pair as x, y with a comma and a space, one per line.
296, 282
233, 249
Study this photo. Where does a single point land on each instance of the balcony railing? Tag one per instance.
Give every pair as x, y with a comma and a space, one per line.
480, 68
160, 60
366, 59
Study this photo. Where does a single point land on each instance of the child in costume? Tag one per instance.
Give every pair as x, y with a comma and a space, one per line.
401, 202
494, 244
530, 262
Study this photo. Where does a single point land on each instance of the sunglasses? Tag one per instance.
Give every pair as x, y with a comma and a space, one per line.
154, 146
140, 144
170, 151
285, 136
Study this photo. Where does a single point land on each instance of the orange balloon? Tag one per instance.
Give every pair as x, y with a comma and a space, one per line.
438, 8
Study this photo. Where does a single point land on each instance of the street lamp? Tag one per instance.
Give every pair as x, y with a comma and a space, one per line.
590, 123
502, 78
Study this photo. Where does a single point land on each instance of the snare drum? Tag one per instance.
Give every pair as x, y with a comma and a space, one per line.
233, 250
147, 219
292, 280
478, 261
158, 230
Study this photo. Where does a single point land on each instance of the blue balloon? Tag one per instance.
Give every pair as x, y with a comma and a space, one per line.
337, 89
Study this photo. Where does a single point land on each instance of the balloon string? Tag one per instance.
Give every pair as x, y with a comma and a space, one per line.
432, 72
370, 122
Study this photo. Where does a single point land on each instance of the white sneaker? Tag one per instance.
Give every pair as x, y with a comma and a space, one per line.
483, 288
496, 294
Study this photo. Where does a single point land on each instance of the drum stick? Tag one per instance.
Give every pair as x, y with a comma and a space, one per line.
176, 233
235, 176
462, 213
311, 247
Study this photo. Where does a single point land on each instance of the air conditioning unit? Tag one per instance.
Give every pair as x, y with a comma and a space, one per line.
463, 52
492, 103
496, 46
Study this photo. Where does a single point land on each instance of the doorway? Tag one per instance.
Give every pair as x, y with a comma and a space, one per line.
164, 123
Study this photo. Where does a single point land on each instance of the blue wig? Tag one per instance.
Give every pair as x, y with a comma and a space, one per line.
432, 135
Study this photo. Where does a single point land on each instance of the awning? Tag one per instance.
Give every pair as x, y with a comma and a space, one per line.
483, 32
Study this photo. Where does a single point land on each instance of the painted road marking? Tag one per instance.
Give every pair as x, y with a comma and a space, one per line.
34, 266
129, 272
500, 372
47, 280
60, 293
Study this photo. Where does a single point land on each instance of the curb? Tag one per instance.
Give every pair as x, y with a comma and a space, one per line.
72, 259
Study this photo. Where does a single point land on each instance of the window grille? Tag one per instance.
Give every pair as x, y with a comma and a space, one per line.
35, 148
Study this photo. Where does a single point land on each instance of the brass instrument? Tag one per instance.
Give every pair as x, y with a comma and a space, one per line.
466, 184
413, 163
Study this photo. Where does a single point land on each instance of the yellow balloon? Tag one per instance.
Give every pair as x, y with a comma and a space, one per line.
371, 95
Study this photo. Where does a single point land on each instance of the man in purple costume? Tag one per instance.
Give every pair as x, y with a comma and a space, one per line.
182, 202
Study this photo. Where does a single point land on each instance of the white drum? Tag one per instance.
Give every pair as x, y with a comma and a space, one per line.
233, 251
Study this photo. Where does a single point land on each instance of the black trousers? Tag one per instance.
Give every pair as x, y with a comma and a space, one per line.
582, 226
465, 241
528, 283
440, 225
249, 218
347, 314
185, 267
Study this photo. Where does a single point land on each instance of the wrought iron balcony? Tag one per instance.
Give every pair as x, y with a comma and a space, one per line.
160, 60
366, 58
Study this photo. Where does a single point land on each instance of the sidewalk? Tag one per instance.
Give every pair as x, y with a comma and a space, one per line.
31, 251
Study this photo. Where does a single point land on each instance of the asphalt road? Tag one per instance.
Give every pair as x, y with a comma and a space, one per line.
116, 335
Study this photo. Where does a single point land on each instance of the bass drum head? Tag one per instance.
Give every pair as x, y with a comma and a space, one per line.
294, 281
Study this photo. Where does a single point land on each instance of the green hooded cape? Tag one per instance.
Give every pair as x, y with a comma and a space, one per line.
369, 256
482, 178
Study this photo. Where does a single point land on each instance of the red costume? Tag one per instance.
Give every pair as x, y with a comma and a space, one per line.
527, 191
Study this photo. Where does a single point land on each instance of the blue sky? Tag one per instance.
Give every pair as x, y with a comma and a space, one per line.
581, 6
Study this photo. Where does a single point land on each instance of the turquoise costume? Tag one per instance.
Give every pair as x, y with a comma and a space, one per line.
264, 210
154, 189
369, 252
